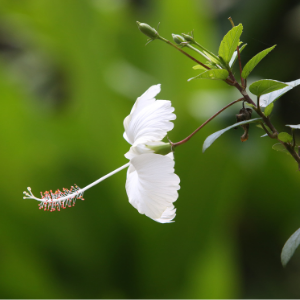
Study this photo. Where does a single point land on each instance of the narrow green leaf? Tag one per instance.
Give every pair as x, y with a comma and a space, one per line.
201, 52
216, 74
294, 126
210, 139
289, 247
235, 55
199, 67
285, 137
266, 126
251, 64
208, 54
279, 147
269, 109
266, 99
260, 126
211, 65
251, 105
230, 42
265, 86
213, 58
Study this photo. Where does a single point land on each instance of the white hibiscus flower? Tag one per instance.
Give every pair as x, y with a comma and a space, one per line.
151, 183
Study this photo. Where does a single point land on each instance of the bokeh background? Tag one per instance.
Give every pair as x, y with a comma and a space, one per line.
70, 72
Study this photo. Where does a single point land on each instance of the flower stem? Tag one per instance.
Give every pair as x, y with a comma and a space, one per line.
206, 122
183, 52
196, 50
231, 21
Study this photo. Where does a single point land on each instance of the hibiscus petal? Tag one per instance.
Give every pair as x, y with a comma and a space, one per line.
168, 215
152, 186
143, 101
151, 123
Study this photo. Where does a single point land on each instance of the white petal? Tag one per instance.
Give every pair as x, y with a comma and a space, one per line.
151, 123
141, 102
152, 186
149, 120
150, 94
168, 215
137, 150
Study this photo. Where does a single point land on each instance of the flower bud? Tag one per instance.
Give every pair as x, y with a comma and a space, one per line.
178, 39
188, 38
147, 30
161, 148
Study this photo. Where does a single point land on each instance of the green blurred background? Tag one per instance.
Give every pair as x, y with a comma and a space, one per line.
70, 72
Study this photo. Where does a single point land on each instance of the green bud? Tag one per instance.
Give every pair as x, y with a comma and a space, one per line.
147, 30
178, 39
163, 148
188, 38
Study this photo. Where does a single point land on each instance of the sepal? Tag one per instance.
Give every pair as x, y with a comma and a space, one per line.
163, 148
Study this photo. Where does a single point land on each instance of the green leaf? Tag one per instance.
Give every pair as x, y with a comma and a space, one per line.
266, 126
279, 147
251, 64
213, 58
216, 74
269, 109
208, 54
265, 86
230, 42
294, 126
211, 65
235, 55
285, 137
203, 53
251, 105
199, 67
210, 139
289, 247
265, 100
260, 126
